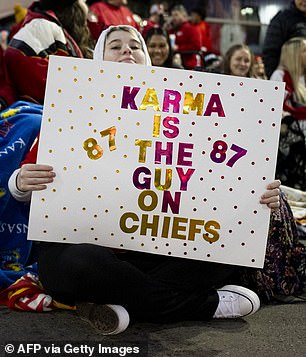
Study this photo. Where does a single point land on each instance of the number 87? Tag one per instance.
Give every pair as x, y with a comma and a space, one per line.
94, 150
218, 154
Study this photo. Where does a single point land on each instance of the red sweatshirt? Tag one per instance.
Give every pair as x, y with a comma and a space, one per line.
31, 156
108, 15
7, 91
188, 40
27, 56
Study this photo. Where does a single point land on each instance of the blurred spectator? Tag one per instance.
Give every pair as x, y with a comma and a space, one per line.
283, 26
187, 40
291, 70
159, 48
4, 39
7, 92
111, 12
20, 14
238, 61
291, 161
197, 18
156, 18
213, 63
50, 28
232, 32
258, 69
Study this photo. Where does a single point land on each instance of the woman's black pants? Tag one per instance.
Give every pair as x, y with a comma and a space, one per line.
151, 287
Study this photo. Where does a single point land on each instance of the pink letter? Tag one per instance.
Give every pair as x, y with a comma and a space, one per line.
184, 177
174, 101
175, 129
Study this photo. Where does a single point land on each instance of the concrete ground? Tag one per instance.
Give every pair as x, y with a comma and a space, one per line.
275, 330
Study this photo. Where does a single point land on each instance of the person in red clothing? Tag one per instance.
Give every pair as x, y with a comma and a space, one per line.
111, 12
19, 14
155, 20
148, 287
197, 18
291, 160
7, 91
49, 28
187, 39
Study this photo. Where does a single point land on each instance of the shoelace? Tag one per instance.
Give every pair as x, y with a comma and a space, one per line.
226, 307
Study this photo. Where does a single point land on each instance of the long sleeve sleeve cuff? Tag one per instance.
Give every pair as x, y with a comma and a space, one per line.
22, 196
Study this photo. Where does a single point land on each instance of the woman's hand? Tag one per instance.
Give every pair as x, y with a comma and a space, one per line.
34, 177
271, 196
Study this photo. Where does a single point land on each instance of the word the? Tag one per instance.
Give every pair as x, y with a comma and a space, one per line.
17, 144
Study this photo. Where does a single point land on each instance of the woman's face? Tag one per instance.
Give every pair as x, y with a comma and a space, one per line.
240, 63
158, 49
123, 46
301, 5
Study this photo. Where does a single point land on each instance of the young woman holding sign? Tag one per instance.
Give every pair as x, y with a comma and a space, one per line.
145, 286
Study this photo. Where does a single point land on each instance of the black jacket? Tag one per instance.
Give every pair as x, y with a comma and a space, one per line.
284, 25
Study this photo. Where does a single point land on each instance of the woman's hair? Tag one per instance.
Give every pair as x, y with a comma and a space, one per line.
161, 32
125, 28
291, 61
74, 21
229, 54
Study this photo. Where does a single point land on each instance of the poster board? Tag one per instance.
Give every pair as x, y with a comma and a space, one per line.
157, 160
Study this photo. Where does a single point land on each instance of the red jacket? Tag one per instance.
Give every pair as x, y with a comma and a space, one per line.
204, 31
27, 56
7, 91
108, 15
150, 24
31, 156
187, 39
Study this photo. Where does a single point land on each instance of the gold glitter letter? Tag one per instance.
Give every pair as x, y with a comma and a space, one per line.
143, 144
150, 100
191, 104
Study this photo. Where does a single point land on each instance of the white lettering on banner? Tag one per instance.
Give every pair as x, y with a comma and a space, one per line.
13, 147
18, 228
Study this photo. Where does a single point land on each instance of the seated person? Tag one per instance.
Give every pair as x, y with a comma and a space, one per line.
109, 286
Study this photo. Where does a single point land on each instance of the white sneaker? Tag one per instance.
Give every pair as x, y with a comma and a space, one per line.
236, 301
108, 319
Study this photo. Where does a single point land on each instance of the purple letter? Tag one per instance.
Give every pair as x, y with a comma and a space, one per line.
146, 181
166, 152
214, 105
182, 154
128, 97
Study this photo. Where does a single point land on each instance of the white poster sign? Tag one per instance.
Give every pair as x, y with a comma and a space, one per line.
157, 160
